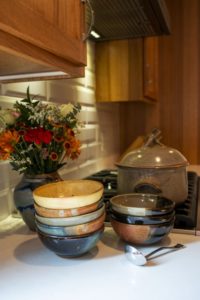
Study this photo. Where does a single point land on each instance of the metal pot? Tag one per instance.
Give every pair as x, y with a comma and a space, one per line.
154, 168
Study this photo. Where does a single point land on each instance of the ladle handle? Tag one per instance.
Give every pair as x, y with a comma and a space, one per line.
153, 138
173, 248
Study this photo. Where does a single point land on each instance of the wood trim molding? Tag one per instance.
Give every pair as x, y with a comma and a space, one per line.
15, 46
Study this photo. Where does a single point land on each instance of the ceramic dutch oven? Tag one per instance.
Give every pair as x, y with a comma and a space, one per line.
154, 168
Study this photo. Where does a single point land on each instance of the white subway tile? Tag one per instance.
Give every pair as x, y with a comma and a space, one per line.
87, 135
4, 204
4, 171
19, 89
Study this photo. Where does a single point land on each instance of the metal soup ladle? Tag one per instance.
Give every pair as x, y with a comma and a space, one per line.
139, 259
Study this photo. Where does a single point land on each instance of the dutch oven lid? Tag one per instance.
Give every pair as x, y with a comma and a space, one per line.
153, 154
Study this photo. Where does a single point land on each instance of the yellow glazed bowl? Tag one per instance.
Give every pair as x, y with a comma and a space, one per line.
68, 194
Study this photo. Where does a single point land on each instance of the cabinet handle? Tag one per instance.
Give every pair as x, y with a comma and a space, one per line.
86, 35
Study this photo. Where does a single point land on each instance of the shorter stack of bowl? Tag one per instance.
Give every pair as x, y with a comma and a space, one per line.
69, 215
142, 218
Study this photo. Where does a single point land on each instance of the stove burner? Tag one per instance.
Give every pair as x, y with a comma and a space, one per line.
109, 180
186, 212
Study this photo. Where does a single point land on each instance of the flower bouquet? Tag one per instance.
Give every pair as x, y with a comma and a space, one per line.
38, 139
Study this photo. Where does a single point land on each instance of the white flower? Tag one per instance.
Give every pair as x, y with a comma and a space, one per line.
65, 109
51, 105
7, 116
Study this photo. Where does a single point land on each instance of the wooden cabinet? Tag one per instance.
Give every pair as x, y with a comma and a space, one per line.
44, 33
151, 68
126, 71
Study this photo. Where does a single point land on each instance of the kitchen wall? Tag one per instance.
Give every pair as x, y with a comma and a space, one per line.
176, 112
178, 108
100, 145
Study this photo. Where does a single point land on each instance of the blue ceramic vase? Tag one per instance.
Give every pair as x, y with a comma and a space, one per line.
23, 195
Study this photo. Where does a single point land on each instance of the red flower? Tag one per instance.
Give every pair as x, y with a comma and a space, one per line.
58, 139
38, 136
21, 132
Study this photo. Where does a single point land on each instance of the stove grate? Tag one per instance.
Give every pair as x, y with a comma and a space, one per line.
185, 213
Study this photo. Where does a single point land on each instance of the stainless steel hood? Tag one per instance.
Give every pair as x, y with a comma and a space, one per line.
121, 19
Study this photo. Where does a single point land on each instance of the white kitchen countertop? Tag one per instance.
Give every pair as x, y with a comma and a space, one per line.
30, 271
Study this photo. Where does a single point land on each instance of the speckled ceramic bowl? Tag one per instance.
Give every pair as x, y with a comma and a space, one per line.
137, 204
65, 213
142, 234
75, 230
71, 246
68, 194
70, 221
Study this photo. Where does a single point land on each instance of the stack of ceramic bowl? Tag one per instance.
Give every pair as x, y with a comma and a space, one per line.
69, 215
142, 218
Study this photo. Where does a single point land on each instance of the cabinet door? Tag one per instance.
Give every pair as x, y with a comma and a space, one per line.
46, 31
151, 68
119, 70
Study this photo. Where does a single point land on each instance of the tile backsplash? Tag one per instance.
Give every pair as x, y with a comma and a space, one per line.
100, 145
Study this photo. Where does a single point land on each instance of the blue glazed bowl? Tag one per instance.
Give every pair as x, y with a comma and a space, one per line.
70, 246
75, 230
142, 220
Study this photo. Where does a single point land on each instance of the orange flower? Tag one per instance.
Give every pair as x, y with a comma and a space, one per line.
8, 139
70, 132
72, 148
54, 156
75, 151
4, 155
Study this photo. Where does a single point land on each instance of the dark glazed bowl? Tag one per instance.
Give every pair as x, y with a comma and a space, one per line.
143, 220
70, 246
137, 204
142, 234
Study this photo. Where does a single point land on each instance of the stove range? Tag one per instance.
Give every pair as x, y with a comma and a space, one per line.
186, 219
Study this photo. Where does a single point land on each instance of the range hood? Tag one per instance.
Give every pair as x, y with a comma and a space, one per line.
122, 19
